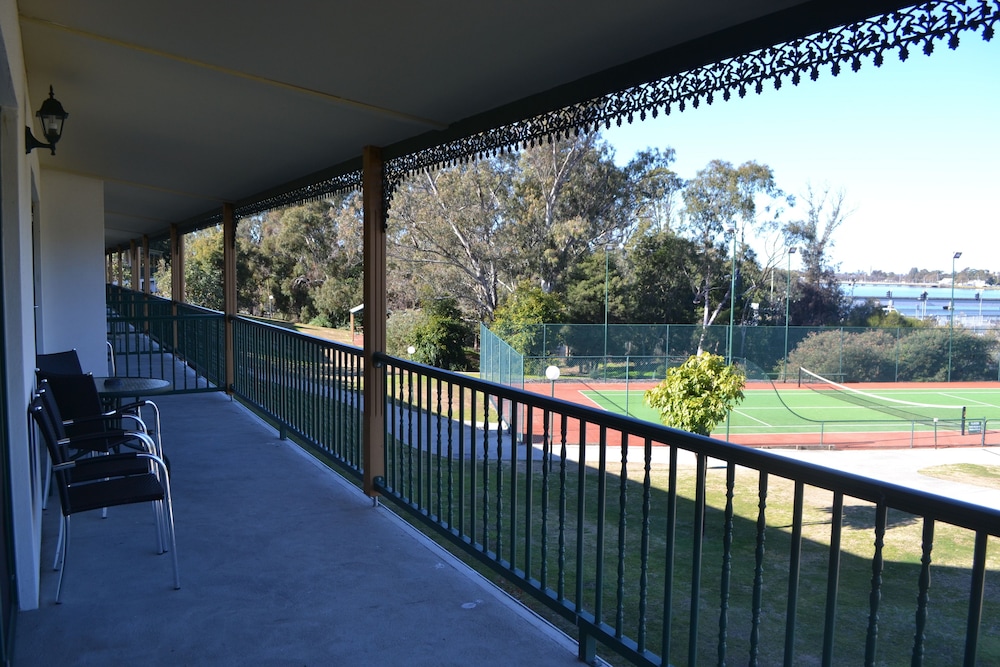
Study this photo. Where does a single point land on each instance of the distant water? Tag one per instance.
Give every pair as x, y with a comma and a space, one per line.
906, 299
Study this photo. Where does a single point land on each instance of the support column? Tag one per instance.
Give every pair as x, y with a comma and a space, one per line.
177, 285
229, 288
121, 266
147, 273
373, 184
133, 254
176, 278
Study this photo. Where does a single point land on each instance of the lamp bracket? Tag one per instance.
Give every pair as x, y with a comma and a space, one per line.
30, 143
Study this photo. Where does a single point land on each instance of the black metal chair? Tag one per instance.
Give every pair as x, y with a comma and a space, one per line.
98, 442
64, 363
104, 481
84, 412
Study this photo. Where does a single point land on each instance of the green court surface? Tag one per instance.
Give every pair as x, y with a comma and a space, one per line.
795, 410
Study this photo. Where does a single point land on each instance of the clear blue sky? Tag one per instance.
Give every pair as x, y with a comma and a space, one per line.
915, 146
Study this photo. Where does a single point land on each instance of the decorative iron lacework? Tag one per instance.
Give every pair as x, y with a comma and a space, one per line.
901, 31
307, 193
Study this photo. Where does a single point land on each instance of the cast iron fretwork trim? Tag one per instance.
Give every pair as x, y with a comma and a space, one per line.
346, 182
903, 31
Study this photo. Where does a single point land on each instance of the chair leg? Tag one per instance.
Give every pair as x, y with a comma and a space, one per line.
65, 549
168, 521
158, 520
47, 486
59, 546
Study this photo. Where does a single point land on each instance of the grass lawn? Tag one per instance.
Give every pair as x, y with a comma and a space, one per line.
534, 544
967, 473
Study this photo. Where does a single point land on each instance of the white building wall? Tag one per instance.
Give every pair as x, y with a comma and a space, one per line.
17, 187
71, 292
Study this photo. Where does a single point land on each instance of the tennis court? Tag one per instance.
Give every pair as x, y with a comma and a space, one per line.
772, 414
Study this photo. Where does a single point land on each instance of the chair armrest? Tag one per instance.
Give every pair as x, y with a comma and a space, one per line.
140, 425
148, 445
95, 468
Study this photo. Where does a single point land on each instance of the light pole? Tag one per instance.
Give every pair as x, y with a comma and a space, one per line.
788, 297
552, 374
732, 299
607, 249
951, 312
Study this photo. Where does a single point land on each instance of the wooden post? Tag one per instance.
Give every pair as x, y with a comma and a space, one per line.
373, 445
147, 273
229, 289
177, 285
176, 279
121, 268
133, 254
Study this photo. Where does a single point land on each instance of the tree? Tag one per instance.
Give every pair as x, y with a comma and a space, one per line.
441, 335
586, 283
720, 204
697, 395
450, 230
519, 320
662, 285
655, 188
571, 199
203, 267
310, 258
818, 298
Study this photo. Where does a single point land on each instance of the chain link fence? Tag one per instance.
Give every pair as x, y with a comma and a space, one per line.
624, 352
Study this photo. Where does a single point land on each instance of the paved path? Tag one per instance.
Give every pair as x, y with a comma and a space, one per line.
903, 466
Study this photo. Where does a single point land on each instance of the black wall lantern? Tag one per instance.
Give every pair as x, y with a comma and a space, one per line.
53, 115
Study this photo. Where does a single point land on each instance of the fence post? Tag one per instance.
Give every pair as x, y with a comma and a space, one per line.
373, 433
229, 289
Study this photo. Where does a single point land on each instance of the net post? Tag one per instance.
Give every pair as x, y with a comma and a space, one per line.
963, 420
800, 378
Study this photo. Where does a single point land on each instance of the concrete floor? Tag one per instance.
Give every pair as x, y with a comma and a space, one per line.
281, 563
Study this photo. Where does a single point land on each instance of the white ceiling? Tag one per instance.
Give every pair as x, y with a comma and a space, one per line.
180, 106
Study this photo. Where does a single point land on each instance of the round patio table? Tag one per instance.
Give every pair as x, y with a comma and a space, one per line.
117, 388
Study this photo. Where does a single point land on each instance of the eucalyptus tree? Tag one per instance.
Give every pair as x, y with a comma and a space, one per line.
309, 258
450, 230
723, 205
656, 188
818, 298
572, 201
663, 279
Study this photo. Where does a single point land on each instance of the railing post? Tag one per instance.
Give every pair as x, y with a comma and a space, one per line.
373, 432
176, 277
133, 254
229, 288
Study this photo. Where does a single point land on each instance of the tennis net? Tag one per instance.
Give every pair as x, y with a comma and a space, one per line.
944, 416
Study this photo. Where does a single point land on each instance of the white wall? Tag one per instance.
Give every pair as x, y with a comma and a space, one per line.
16, 189
72, 306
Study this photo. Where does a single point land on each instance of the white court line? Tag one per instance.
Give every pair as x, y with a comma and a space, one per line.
759, 421
970, 400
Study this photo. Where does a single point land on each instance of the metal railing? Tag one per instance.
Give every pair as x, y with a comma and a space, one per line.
307, 387
666, 547
653, 548
155, 337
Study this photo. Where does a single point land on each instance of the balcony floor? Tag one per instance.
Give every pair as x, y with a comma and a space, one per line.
281, 563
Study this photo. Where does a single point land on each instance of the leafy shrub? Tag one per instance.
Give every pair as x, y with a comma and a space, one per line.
923, 356
437, 333
697, 395
919, 355
866, 356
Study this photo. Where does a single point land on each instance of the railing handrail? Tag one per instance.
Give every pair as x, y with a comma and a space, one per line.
942, 508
